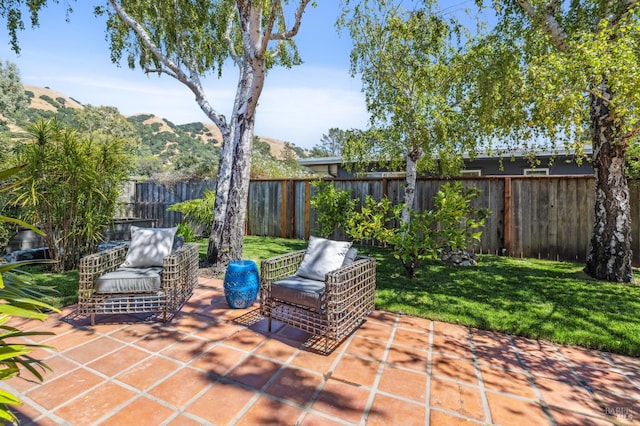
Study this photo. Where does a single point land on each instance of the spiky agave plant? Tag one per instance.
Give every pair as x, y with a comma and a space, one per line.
18, 299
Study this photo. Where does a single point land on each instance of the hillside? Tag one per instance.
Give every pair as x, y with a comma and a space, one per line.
159, 137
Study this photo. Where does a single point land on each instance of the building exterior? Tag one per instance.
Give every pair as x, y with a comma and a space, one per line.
515, 163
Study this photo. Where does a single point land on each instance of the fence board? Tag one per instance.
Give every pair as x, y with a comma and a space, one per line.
550, 217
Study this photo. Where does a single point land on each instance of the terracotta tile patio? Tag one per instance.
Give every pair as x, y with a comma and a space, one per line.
215, 365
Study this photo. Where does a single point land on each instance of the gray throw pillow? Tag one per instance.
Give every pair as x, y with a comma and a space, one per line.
322, 257
350, 257
149, 246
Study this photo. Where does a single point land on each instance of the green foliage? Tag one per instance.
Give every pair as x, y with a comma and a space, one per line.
458, 225
375, 220
452, 224
73, 182
198, 210
186, 231
51, 101
331, 144
333, 207
408, 60
22, 299
12, 96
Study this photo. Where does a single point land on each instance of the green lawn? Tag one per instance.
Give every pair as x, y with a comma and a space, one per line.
534, 298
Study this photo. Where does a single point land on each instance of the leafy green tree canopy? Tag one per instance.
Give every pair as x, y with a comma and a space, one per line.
12, 95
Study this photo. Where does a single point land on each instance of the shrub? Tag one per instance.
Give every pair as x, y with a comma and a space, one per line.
198, 211
72, 185
452, 224
333, 207
20, 298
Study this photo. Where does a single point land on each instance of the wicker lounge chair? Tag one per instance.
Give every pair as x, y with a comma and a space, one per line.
338, 305
178, 278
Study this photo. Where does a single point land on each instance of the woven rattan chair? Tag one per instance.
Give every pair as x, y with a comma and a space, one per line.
347, 299
178, 279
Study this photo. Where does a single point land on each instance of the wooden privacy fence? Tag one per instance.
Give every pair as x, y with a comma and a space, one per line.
548, 217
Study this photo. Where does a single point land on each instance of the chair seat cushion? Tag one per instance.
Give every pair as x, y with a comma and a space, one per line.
130, 280
298, 290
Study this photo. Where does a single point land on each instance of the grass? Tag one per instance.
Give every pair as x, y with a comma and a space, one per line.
540, 299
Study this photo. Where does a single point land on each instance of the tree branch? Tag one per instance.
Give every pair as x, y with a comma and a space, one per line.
192, 81
232, 48
551, 25
289, 34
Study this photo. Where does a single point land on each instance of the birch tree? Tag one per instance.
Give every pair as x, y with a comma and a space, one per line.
567, 73
186, 40
407, 59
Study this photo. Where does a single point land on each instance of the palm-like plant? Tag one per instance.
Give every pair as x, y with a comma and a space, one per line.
18, 298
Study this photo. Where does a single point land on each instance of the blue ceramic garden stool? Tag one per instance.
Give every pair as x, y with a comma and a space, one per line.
241, 283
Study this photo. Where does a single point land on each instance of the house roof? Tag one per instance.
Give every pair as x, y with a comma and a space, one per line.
517, 153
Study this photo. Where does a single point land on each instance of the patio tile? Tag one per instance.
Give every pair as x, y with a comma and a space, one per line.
498, 357
620, 408
132, 332
183, 420
221, 403
314, 362
266, 411
388, 411
148, 372
219, 359
213, 365
62, 389
295, 385
245, 339
414, 339
607, 379
490, 338
438, 417
159, 339
187, 349
509, 411
551, 368
453, 347
408, 357
375, 330
61, 343
217, 331
254, 372
313, 419
458, 369
95, 404
579, 356
568, 418
451, 330
567, 396
93, 350
342, 400
507, 382
25, 381
115, 363
457, 397
415, 323
537, 348
407, 384
366, 348
356, 370
181, 387
142, 408
278, 350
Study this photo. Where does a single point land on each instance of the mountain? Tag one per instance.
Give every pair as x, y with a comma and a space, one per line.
159, 136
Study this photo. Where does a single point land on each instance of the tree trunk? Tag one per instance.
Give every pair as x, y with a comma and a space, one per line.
610, 254
410, 183
232, 184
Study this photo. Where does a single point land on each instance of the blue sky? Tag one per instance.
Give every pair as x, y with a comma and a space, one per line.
298, 105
